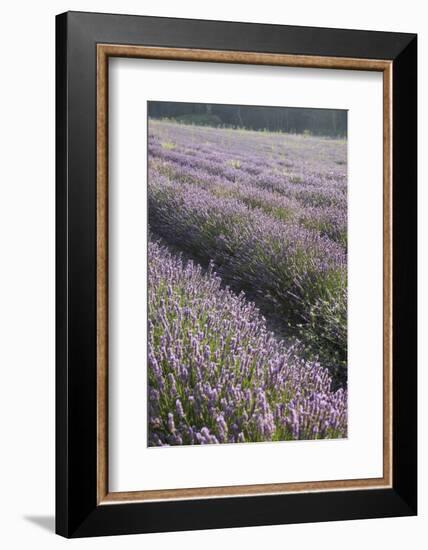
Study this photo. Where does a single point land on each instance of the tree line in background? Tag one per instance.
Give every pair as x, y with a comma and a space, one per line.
325, 122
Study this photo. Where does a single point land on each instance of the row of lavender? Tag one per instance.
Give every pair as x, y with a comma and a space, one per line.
292, 178
216, 375
270, 212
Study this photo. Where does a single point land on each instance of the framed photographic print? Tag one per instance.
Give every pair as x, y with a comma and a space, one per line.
236, 274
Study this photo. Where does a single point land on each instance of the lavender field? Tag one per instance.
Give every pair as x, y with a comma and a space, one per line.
247, 285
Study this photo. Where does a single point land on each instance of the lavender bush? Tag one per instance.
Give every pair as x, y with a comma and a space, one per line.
216, 375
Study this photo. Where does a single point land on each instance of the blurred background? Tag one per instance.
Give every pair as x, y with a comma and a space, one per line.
320, 122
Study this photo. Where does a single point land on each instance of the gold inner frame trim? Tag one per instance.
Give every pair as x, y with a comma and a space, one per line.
104, 51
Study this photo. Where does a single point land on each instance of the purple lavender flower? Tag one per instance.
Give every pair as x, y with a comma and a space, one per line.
242, 383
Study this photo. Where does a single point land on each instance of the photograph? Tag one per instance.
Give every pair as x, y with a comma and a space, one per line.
213, 265
247, 273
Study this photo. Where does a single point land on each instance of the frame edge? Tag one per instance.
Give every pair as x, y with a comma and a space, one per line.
405, 273
61, 267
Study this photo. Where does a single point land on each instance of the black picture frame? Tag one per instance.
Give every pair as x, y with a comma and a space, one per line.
77, 511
